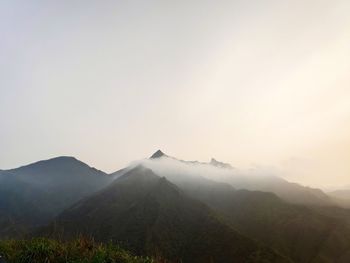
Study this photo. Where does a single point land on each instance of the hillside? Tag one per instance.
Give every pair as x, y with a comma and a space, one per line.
149, 215
305, 234
32, 195
302, 233
171, 208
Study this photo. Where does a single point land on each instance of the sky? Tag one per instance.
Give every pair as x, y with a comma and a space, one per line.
253, 83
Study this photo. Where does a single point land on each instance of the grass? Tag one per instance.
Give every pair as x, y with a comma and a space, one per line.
81, 250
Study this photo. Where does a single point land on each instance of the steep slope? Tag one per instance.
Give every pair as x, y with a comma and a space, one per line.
150, 215
305, 234
33, 194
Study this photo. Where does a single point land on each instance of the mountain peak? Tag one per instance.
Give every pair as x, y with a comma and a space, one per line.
216, 163
157, 154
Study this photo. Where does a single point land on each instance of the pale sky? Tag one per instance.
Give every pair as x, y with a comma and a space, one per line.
253, 83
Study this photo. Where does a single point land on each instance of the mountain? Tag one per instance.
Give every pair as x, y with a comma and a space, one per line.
303, 233
158, 154
254, 180
181, 210
342, 194
290, 192
33, 194
216, 163
18, 208
149, 215
341, 197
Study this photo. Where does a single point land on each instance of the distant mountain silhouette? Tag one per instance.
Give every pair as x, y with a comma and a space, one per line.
214, 162
33, 194
343, 194
341, 197
157, 154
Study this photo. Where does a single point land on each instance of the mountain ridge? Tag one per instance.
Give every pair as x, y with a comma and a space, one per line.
33, 194
149, 215
288, 191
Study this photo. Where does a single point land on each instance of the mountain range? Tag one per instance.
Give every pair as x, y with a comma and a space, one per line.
149, 215
183, 211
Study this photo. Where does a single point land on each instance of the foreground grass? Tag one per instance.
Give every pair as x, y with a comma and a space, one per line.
82, 250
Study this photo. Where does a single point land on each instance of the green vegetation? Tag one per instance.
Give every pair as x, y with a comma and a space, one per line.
148, 215
81, 250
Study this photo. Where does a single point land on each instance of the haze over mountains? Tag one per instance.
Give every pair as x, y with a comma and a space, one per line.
32, 195
248, 103
250, 179
179, 210
150, 215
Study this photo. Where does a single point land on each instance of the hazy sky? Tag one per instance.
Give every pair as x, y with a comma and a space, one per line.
249, 82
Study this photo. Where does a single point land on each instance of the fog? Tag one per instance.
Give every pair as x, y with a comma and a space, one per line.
180, 171
171, 167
